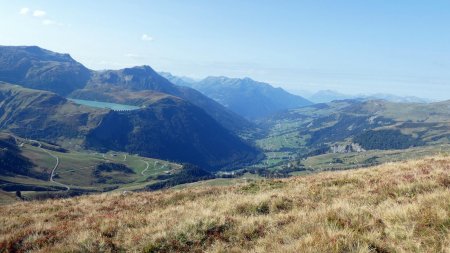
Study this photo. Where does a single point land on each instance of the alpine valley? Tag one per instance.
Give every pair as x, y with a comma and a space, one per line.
224, 126
67, 130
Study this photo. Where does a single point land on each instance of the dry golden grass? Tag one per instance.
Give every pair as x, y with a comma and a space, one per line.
397, 207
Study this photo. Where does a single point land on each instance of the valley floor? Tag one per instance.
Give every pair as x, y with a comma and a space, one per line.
396, 207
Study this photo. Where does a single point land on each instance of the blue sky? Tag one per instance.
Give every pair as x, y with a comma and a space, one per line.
400, 47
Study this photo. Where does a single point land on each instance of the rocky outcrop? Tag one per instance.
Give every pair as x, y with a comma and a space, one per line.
347, 148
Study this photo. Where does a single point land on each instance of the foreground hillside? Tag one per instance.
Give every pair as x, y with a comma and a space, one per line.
397, 207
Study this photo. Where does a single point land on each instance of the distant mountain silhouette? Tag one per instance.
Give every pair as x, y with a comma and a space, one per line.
249, 98
325, 96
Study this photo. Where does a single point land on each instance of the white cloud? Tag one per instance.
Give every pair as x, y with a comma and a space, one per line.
39, 13
146, 37
24, 11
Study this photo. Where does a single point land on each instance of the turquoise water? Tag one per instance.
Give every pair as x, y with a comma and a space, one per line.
104, 105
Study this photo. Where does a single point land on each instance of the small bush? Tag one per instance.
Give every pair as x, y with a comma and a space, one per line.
262, 208
255, 187
282, 204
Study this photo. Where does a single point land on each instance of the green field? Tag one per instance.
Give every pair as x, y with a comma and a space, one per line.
76, 170
309, 131
370, 158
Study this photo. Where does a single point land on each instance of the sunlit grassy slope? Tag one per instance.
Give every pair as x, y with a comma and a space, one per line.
396, 207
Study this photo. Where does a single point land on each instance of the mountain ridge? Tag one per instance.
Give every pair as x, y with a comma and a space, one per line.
325, 96
245, 96
38, 68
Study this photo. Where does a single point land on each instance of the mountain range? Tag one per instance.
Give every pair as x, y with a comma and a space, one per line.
325, 96
38, 68
244, 96
228, 124
174, 123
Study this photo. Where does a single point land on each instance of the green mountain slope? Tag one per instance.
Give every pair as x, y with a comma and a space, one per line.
104, 84
44, 115
171, 129
12, 162
37, 68
167, 128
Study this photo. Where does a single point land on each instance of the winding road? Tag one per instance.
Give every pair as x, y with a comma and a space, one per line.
54, 167
57, 162
146, 168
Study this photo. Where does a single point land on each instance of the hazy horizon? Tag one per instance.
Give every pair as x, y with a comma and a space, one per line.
400, 48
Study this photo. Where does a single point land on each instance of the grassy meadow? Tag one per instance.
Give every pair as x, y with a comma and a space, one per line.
395, 207
77, 170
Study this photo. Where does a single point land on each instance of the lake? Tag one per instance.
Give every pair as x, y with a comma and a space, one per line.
105, 105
